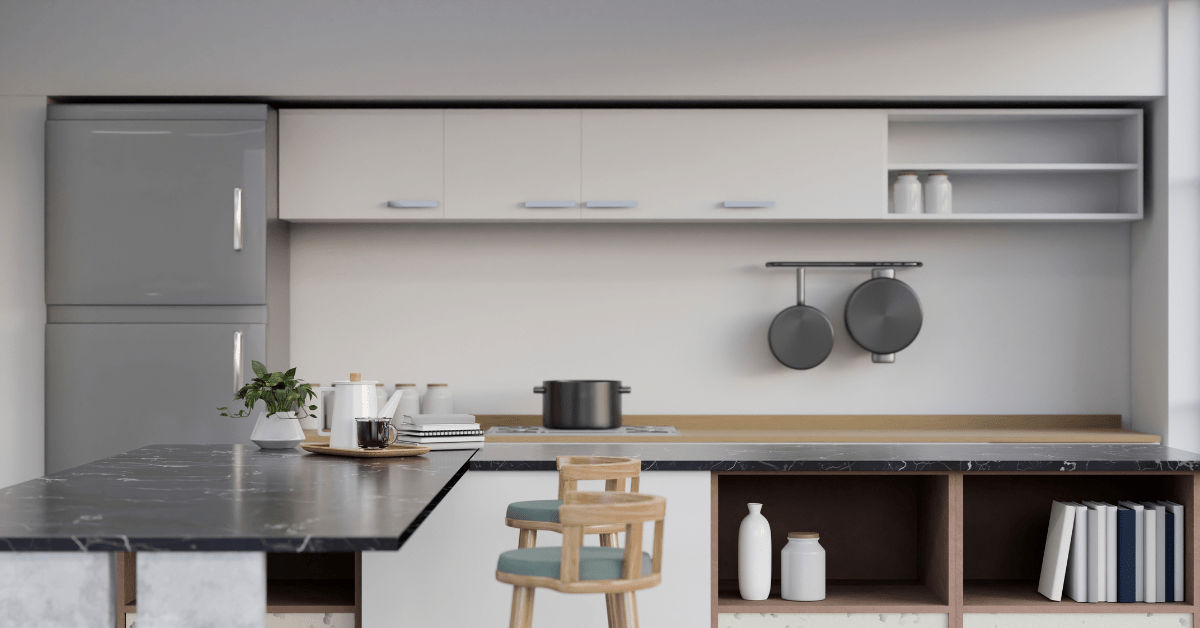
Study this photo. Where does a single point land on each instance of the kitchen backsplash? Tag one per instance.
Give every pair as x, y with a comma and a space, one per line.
1031, 318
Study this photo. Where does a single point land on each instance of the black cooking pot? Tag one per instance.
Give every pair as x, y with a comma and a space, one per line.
581, 404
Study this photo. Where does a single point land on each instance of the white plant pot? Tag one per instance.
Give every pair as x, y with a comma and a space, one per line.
277, 431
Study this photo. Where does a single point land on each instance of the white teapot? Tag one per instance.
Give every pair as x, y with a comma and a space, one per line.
352, 400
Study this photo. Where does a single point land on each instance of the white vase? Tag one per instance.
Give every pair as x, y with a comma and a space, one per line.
906, 194
937, 193
802, 568
754, 555
277, 431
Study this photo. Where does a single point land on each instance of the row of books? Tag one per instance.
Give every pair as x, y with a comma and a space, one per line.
1131, 552
439, 432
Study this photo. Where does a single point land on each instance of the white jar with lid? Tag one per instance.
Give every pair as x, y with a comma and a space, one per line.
906, 194
802, 568
437, 400
410, 402
937, 193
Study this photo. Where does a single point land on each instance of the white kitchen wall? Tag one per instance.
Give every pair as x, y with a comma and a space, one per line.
584, 48
22, 296
1019, 318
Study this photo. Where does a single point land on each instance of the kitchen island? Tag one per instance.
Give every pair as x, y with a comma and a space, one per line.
946, 530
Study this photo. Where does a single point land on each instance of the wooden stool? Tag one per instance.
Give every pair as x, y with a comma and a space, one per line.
542, 514
573, 568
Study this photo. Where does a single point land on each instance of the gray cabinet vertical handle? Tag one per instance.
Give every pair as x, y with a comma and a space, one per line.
237, 361
237, 219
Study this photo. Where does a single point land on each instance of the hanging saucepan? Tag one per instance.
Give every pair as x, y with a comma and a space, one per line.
801, 336
883, 315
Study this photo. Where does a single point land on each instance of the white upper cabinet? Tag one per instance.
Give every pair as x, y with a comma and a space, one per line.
734, 164
360, 164
512, 164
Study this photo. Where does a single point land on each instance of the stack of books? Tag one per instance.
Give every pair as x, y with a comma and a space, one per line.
440, 431
1131, 552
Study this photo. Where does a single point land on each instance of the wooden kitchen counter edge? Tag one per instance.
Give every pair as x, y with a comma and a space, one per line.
1022, 428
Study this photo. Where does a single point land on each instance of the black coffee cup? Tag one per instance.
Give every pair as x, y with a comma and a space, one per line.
375, 433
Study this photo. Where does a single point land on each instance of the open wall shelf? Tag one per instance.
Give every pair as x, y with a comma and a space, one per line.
953, 543
1024, 164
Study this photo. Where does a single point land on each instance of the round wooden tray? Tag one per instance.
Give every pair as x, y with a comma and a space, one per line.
392, 451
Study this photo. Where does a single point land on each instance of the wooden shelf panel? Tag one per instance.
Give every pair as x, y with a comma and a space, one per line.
841, 596
981, 217
1021, 596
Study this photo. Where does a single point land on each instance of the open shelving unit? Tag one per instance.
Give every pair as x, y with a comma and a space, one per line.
1027, 165
296, 583
928, 542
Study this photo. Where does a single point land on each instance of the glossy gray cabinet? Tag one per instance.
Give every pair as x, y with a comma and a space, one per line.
114, 387
156, 212
161, 232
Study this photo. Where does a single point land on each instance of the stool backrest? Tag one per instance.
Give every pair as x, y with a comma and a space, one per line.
613, 470
581, 509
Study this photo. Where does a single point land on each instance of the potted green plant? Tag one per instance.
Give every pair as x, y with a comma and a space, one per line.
277, 427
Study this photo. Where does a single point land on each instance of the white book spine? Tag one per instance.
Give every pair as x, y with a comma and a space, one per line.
1177, 510
1139, 545
1110, 554
1076, 584
1149, 553
1096, 543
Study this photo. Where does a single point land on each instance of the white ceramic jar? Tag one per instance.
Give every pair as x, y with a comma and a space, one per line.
754, 555
437, 400
410, 402
937, 193
906, 194
802, 567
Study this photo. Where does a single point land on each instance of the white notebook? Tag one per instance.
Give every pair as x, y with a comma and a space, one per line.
1139, 548
1177, 510
1058, 545
1097, 552
1075, 584
1150, 554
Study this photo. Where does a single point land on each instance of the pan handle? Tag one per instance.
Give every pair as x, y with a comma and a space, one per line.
800, 286
538, 390
625, 389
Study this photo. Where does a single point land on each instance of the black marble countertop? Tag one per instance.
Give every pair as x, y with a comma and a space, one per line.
228, 498
847, 456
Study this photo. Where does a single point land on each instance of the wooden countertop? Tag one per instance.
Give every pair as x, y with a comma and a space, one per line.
850, 429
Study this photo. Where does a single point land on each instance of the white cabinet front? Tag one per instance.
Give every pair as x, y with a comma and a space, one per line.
733, 164
360, 164
506, 164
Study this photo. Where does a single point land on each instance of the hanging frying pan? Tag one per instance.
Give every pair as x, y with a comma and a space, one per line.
883, 315
801, 336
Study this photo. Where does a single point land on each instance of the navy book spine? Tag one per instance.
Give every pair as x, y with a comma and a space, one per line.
1126, 555
1169, 589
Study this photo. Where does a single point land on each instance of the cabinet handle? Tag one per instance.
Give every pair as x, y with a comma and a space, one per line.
611, 204
411, 204
549, 204
237, 361
749, 204
237, 219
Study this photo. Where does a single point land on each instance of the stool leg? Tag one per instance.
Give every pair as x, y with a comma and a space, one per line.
610, 599
627, 610
527, 538
608, 540
522, 608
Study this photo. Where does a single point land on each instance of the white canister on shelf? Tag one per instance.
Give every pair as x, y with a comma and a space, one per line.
437, 400
410, 402
381, 395
906, 194
937, 193
802, 567
754, 555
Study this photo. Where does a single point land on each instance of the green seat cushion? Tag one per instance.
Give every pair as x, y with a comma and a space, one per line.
595, 563
536, 510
